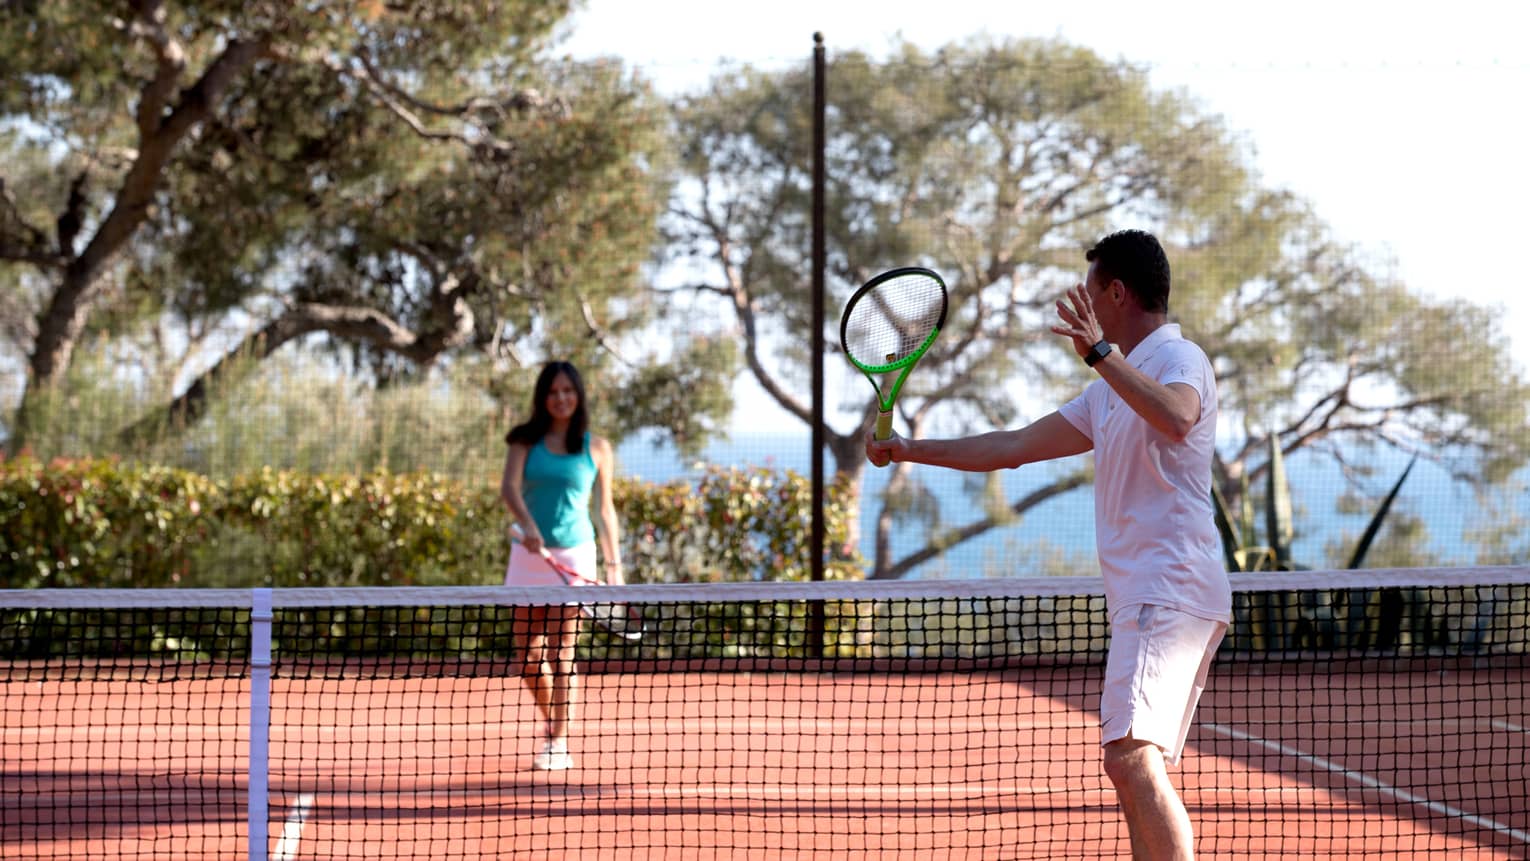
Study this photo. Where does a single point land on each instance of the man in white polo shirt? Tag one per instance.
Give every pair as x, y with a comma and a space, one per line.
1151, 421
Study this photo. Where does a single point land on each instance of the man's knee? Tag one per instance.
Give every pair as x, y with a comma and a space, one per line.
1129, 762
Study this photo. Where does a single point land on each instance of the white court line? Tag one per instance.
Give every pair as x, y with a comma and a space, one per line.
292, 830
1372, 783
1511, 727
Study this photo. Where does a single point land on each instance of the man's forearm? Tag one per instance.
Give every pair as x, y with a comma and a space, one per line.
1171, 410
1047, 438
982, 453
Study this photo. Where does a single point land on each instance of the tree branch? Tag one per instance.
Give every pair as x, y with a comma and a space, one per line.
67, 311
737, 292
519, 101
169, 61
408, 108
73, 217
599, 333
977, 527
353, 323
20, 241
390, 99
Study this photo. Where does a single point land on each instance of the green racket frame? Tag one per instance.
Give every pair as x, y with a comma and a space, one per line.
906, 364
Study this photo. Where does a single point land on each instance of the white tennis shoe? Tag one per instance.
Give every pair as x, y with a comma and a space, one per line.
554, 756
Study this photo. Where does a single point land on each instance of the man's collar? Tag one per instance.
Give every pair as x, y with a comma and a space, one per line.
1145, 347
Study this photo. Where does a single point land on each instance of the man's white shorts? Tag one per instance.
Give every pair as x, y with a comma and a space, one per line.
1155, 673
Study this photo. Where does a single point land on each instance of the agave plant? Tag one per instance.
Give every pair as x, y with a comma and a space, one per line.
1280, 620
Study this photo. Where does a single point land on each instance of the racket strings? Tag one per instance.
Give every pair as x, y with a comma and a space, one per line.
891, 321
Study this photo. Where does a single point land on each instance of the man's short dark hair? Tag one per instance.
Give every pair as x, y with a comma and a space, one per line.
1136, 259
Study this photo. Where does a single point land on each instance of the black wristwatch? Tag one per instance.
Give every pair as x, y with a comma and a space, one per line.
1099, 351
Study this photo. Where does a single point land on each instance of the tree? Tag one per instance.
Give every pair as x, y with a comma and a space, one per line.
997, 164
405, 182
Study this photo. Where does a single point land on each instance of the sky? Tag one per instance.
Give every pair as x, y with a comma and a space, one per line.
1402, 124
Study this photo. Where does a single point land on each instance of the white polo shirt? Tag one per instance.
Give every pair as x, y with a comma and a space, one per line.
1153, 516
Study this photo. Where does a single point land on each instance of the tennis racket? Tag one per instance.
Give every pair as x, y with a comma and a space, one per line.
618, 619
888, 325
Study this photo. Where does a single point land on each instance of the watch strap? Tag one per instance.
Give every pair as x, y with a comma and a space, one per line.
1099, 351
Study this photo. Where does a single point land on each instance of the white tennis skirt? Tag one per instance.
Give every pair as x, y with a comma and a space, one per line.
1154, 675
530, 569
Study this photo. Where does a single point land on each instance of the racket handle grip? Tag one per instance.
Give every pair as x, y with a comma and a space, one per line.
883, 431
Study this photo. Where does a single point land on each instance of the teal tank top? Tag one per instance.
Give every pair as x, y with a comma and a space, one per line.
556, 489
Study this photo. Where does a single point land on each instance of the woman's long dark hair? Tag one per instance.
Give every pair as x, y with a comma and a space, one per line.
531, 431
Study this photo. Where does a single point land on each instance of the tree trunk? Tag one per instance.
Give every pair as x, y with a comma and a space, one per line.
63, 320
449, 310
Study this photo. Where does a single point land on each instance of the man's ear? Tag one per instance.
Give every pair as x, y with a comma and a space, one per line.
1117, 291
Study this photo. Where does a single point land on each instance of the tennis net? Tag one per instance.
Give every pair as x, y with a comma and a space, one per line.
1349, 715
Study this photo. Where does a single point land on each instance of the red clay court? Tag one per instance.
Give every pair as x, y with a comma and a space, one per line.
1320, 755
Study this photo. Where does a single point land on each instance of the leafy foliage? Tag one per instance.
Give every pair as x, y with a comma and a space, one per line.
1244, 553
105, 523
732, 524
997, 163
90, 522
1313, 619
399, 184
416, 196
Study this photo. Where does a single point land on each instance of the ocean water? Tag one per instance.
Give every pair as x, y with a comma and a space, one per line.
1058, 535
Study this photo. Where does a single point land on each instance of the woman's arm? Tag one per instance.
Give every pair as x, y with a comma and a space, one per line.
510, 495
605, 509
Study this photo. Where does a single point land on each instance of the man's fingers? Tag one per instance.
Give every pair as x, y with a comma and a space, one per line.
879, 451
1081, 303
1069, 315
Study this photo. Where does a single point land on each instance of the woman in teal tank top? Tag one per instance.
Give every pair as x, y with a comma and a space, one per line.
557, 474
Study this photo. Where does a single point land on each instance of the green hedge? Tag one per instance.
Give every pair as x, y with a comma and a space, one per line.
106, 523
95, 523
